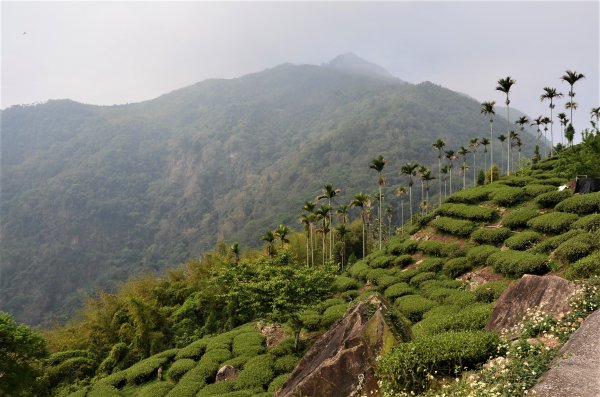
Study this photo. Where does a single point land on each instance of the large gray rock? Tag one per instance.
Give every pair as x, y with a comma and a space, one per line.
576, 371
227, 372
341, 362
550, 294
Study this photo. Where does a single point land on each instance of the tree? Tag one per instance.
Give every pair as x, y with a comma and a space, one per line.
427, 177
400, 193
235, 250
595, 112
21, 350
342, 211
502, 139
571, 77
269, 238
537, 122
473, 145
305, 220
450, 156
421, 171
485, 142
521, 121
487, 108
563, 123
439, 145
389, 213
513, 139
361, 201
570, 134
504, 85
342, 232
323, 214
463, 151
545, 121
410, 169
309, 207
329, 192
549, 94
377, 164
444, 171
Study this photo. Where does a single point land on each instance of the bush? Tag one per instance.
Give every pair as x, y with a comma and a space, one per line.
71, 369
237, 362
406, 367
517, 181
523, 240
419, 278
57, 358
217, 389
221, 341
194, 350
278, 382
373, 274
590, 223
550, 199
116, 379
457, 266
343, 283
322, 306
550, 244
442, 283
535, 190
507, 196
285, 364
584, 268
470, 196
185, 389
100, 390
180, 368
437, 248
349, 295
386, 280
517, 263
332, 314
359, 269
286, 347
398, 290
248, 344
382, 262
218, 355
581, 204
456, 227
469, 212
430, 265
490, 291
406, 275
404, 247
469, 319
553, 222
460, 298
576, 248
310, 320
478, 255
442, 311
144, 370
493, 236
257, 373
414, 306
156, 389
403, 260
518, 218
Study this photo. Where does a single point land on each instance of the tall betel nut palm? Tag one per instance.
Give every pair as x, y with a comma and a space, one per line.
439, 145
400, 192
549, 94
504, 85
473, 145
571, 77
361, 201
487, 108
563, 123
410, 169
377, 164
329, 192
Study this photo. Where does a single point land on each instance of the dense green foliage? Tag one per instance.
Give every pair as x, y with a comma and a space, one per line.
553, 223
456, 227
518, 218
517, 263
491, 235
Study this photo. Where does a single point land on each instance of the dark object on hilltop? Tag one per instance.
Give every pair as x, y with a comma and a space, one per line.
587, 185
342, 362
549, 294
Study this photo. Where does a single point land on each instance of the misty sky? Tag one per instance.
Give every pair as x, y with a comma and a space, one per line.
120, 52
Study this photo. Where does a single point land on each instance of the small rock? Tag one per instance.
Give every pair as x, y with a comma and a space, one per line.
226, 372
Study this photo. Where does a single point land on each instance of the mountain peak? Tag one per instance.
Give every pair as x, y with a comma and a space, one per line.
352, 63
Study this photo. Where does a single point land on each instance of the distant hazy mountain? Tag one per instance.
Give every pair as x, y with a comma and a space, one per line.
91, 195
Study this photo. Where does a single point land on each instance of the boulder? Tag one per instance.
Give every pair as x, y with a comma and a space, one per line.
575, 372
341, 363
226, 372
549, 294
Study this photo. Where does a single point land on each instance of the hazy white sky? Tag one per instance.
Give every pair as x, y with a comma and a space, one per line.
120, 52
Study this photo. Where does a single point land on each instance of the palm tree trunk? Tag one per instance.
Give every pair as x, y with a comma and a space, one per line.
410, 202
508, 133
363, 236
474, 183
380, 202
330, 229
440, 174
307, 248
491, 149
551, 131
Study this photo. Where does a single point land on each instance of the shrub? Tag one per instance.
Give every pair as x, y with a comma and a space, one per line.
457, 227
553, 222
398, 290
321, 307
438, 294
419, 278
523, 240
156, 389
285, 347
277, 383
168, 354
217, 355
442, 283
180, 368
144, 370
248, 344
117, 379
576, 248
217, 389
414, 306
469, 319
584, 268
550, 244
357, 270
581, 204
285, 364
194, 350
406, 275
403, 260
310, 320
237, 362
518, 218
517, 263
343, 283
535, 190
457, 266
518, 181
257, 373
332, 314
490, 291
386, 280
493, 236
550, 199
460, 298
71, 369
382, 262
100, 390
221, 341
349, 295
437, 248
431, 265
470, 196
470, 212
478, 255
57, 358
507, 196
590, 223
404, 247
373, 274
551, 181
406, 367
185, 389
442, 311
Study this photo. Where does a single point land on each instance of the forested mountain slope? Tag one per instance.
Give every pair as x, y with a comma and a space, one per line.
91, 195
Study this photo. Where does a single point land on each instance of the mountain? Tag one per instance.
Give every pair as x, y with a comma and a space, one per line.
92, 195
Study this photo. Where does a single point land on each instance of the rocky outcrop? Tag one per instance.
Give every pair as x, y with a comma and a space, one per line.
576, 371
549, 294
341, 362
226, 372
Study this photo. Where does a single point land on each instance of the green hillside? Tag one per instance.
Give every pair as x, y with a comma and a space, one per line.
195, 320
92, 195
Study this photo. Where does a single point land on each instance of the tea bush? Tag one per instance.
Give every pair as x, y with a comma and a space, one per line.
456, 227
553, 222
248, 344
100, 390
187, 388
590, 223
507, 196
327, 303
518, 218
550, 244
285, 364
493, 236
382, 261
517, 263
257, 373
431, 264
217, 389
359, 269
535, 189
469, 212
576, 248
343, 283
398, 290
414, 306
581, 204
550, 199
460, 298
310, 319
490, 291
518, 181
439, 249
277, 383
419, 278
332, 314
156, 389
523, 240
404, 247
584, 268
470, 196
406, 275
403, 260
180, 368
457, 266
472, 318
442, 311
194, 350
478, 255
386, 281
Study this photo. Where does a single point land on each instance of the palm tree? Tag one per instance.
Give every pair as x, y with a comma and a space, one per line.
306, 221
537, 122
488, 109
420, 171
571, 77
281, 232
329, 192
269, 238
550, 93
545, 121
323, 214
410, 169
342, 211
361, 200
444, 171
519, 145
309, 207
504, 85
389, 213
502, 139
473, 145
427, 177
400, 192
450, 155
563, 123
377, 164
595, 113
439, 145
342, 232
462, 152
512, 140
485, 142
235, 250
